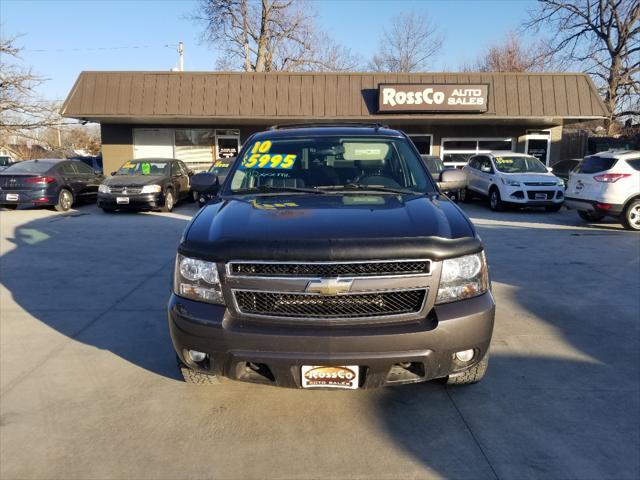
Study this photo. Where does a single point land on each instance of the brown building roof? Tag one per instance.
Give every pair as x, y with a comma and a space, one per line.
199, 97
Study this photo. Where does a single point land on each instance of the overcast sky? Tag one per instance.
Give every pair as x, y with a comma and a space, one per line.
62, 38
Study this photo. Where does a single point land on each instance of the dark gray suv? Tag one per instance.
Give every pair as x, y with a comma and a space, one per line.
331, 259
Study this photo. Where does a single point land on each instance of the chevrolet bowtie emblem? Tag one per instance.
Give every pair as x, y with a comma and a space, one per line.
329, 286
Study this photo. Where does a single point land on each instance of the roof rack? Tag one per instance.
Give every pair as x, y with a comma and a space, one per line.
328, 125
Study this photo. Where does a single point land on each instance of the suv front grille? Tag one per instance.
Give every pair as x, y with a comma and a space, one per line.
355, 269
356, 305
540, 184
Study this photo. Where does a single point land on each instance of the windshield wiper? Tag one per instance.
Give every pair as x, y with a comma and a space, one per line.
272, 189
375, 188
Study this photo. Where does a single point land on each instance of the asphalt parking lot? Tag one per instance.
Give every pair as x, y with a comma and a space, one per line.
89, 387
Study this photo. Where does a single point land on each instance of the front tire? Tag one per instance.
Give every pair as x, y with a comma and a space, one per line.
193, 196
473, 375
590, 216
465, 195
197, 378
65, 201
169, 201
631, 216
495, 202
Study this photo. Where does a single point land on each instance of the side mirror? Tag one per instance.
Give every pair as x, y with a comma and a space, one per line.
205, 182
452, 180
190, 173
113, 173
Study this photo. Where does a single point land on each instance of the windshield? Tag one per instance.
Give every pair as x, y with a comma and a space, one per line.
145, 168
330, 163
513, 164
221, 167
30, 166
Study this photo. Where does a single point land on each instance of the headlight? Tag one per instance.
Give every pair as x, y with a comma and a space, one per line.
197, 280
104, 189
463, 277
151, 189
560, 182
511, 183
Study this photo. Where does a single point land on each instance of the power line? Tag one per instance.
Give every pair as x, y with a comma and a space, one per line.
89, 49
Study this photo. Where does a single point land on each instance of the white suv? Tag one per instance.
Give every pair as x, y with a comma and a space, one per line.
509, 178
607, 184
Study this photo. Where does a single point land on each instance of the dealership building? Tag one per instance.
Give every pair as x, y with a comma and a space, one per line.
199, 117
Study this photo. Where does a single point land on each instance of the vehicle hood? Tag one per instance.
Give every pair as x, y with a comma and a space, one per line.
531, 177
132, 180
330, 227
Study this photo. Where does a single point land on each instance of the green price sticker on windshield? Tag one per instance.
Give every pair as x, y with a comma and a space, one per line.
146, 168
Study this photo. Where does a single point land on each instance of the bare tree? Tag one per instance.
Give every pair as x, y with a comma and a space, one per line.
67, 139
510, 55
408, 45
20, 107
269, 35
602, 37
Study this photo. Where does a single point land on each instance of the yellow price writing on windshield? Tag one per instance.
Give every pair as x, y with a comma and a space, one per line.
266, 160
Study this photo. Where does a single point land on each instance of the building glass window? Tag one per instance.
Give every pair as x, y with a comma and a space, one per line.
422, 142
456, 152
195, 147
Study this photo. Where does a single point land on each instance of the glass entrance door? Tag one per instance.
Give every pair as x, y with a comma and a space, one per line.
538, 144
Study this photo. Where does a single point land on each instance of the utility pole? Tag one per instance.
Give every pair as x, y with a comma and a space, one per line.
181, 53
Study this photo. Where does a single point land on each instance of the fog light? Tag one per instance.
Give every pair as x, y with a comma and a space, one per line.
196, 356
465, 355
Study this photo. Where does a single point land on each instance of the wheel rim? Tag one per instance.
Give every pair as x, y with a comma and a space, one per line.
494, 199
634, 216
169, 201
65, 200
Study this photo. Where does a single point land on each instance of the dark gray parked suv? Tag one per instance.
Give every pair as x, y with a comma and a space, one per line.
331, 259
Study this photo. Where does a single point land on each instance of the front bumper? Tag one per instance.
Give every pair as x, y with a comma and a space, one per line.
594, 206
235, 347
148, 201
533, 197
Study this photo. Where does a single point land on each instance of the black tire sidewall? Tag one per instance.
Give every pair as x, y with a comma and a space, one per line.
498, 205
168, 208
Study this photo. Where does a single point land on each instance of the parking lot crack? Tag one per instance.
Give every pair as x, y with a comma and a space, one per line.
468, 427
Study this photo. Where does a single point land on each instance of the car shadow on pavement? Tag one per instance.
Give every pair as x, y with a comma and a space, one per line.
101, 279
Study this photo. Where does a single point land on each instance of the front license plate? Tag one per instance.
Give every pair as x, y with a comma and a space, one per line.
11, 197
314, 376
122, 200
541, 196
